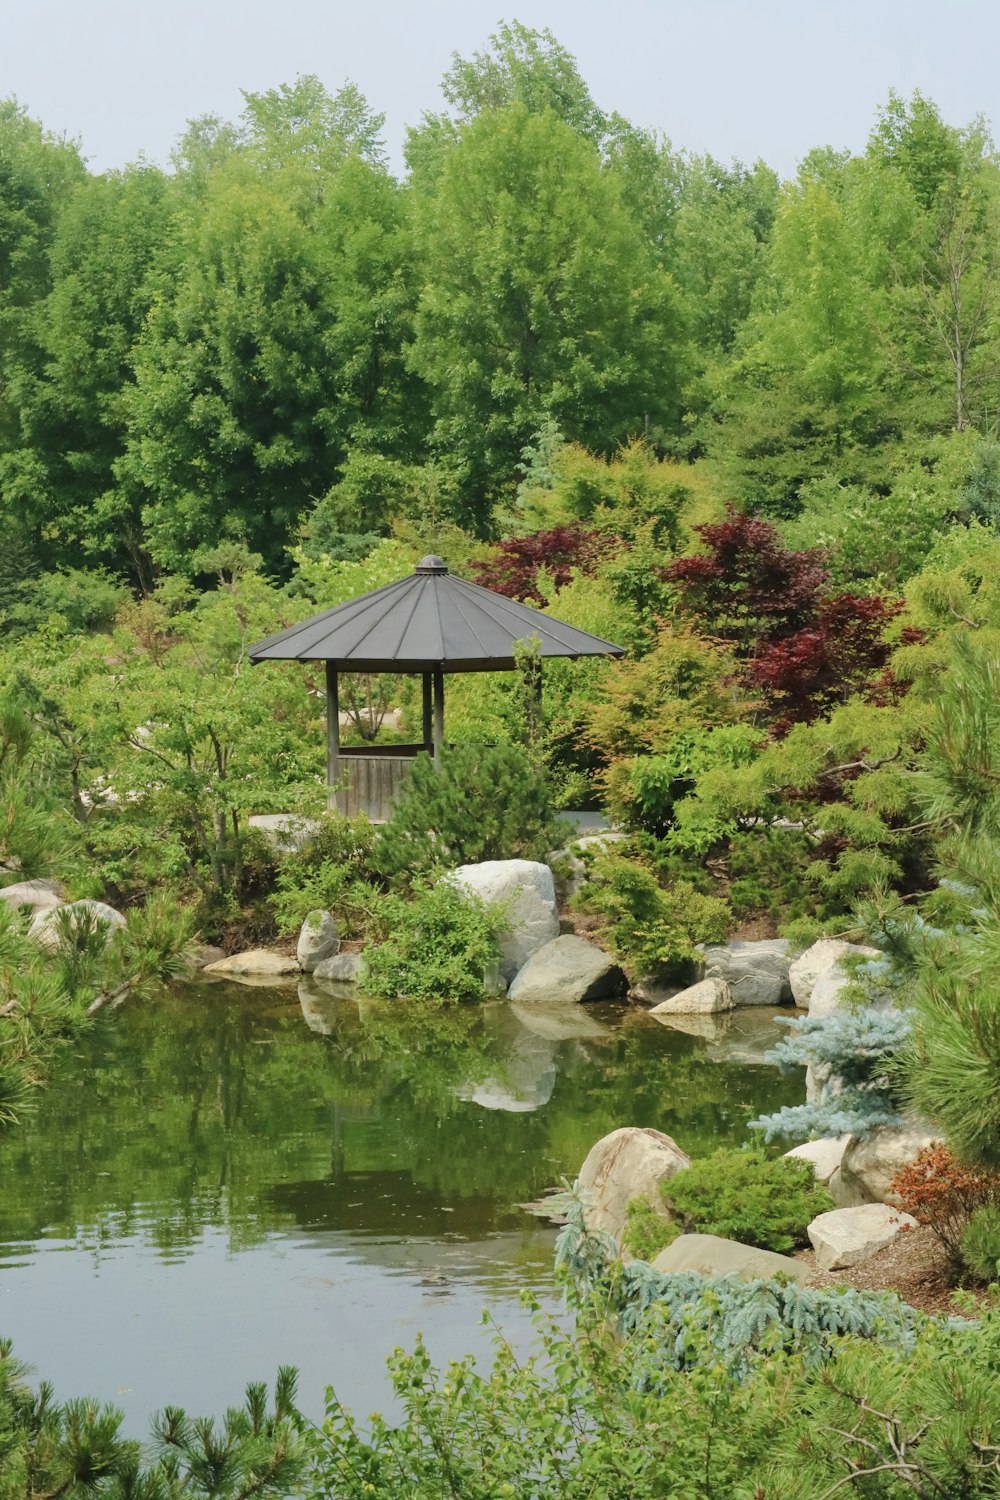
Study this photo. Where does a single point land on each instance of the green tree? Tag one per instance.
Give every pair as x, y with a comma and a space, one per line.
540, 298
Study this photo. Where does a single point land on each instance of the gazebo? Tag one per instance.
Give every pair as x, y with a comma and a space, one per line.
430, 623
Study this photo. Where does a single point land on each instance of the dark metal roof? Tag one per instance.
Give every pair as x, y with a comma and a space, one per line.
430, 619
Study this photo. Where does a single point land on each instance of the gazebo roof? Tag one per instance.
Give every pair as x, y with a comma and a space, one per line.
429, 620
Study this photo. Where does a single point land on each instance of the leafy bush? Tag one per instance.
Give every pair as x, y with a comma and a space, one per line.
747, 1196
944, 1193
643, 791
485, 802
981, 1242
437, 946
329, 874
646, 1232
653, 929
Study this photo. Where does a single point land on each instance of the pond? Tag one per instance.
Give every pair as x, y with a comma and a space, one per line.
232, 1178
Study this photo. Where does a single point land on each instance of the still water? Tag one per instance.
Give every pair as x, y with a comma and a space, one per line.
231, 1179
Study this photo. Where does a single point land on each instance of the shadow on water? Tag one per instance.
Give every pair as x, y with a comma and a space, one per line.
232, 1178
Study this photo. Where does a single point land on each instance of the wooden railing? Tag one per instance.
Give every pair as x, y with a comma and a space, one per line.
369, 778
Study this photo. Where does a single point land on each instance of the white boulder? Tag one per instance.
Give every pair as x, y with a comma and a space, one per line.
527, 891
76, 918
757, 973
711, 1255
318, 939
37, 895
872, 1161
629, 1163
256, 961
341, 968
816, 961
824, 1156
706, 998
565, 971
847, 1236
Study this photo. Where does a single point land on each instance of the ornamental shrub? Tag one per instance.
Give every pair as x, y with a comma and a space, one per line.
944, 1193
329, 874
437, 946
653, 929
485, 802
646, 1232
981, 1242
747, 1196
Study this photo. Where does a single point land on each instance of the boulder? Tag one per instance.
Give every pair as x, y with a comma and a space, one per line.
256, 961
629, 1163
341, 968
710, 1255
824, 1156
566, 971
527, 891
37, 895
818, 960
569, 867
703, 999
48, 926
200, 955
318, 939
872, 1161
847, 1236
757, 973
828, 994
286, 833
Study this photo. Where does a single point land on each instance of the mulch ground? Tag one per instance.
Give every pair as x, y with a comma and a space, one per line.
914, 1265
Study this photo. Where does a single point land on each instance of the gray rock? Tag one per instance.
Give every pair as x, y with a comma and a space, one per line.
816, 961
847, 1236
628, 1163
37, 895
828, 994
825, 1156
527, 891
256, 961
318, 939
710, 1255
341, 968
567, 970
200, 955
76, 917
872, 1161
757, 973
705, 998
286, 833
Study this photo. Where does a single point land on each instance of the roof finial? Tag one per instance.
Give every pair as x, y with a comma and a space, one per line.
432, 564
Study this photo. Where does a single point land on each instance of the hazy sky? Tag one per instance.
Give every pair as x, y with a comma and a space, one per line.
742, 78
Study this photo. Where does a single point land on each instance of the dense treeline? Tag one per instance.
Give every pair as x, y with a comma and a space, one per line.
278, 332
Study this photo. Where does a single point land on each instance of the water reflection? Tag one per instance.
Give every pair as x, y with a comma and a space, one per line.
233, 1178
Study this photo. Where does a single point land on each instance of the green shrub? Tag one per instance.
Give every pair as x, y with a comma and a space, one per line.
981, 1242
653, 929
747, 1196
329, 874
437, 946
646, 1232
643, 791
486, 802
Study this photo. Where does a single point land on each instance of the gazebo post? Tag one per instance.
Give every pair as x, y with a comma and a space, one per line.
428, 722
438, 714
332, 731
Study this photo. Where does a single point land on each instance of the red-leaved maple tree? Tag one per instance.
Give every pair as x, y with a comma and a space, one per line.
517, 563
803, 649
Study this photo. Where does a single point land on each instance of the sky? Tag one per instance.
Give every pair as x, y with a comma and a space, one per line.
737, 78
